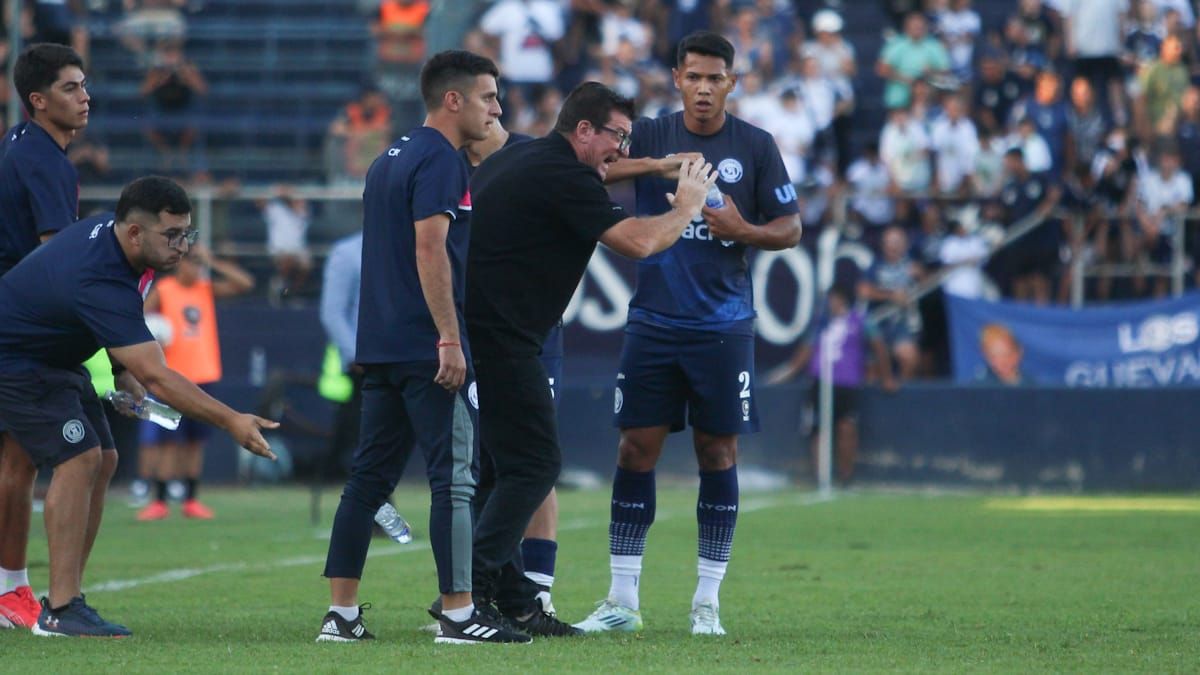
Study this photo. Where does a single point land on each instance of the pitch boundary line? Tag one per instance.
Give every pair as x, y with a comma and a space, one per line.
184, 573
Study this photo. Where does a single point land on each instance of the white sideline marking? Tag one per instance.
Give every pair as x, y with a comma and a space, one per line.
184, 573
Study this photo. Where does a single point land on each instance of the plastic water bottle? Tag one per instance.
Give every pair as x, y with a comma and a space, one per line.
714, 199
393, 524
149, 409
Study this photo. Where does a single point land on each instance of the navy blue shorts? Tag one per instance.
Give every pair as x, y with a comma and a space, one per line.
54, 414
666, 374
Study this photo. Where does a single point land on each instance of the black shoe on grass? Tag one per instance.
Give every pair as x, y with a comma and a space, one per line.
334, 628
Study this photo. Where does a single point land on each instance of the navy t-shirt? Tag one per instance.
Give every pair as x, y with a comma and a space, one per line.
39, 191
701, 283
419, 177
73, 295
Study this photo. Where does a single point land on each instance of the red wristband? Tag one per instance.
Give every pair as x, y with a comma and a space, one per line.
448, 344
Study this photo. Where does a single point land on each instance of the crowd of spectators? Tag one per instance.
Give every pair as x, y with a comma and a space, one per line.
1079, 119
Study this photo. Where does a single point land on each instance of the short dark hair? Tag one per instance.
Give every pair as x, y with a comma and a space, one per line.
705, 43
37, 69
153, 194
449, 69
593, 102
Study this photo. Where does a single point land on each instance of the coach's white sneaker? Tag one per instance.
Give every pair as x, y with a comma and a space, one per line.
706, 620
611, 616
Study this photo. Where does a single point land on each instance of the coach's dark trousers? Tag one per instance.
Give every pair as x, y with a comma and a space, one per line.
520, 463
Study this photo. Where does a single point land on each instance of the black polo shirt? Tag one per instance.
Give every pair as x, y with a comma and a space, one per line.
538, 212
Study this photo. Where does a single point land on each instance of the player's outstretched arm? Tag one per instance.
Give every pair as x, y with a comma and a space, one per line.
146, 363
642, 237
664, 167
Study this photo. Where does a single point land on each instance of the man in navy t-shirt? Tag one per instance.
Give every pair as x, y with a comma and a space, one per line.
39, 195
689, 344
80, 292
418, 384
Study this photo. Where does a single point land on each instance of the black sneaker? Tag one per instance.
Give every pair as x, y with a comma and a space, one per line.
334, 628
543, 624
77, 619
483, 627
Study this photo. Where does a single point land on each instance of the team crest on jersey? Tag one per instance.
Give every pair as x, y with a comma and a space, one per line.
473, 396
730, 170
618, 400
73, 431
745, 410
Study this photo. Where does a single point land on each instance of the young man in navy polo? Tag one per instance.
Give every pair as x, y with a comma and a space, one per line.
39, 195
418, 385
53, 317
688, 355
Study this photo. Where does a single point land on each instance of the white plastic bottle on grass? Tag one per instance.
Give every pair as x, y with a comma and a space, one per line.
149, 409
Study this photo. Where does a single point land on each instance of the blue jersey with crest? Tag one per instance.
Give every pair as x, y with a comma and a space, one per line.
419, 177
55, 314
701, 283
39, 191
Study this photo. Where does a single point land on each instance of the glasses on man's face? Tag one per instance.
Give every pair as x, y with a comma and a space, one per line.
176, 237
623, 137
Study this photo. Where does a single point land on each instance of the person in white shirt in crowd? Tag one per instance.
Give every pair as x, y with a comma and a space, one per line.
754, 103
1033, 147
527, 30
959, 26
1166, 195
818, 95
956, 144
904, 148
619, 23
836, 59
962, 255
792, 126
871, 192
287, 219
988, 177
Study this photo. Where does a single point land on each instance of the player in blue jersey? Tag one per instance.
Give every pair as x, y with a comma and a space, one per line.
39, 195
418, 383
56, 315
688, 355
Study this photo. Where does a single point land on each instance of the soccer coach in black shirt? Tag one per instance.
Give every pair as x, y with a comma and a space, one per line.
538, 210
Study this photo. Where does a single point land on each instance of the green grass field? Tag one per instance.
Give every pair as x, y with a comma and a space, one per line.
866, 582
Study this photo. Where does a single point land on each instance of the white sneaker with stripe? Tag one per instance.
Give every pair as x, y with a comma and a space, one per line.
609, 616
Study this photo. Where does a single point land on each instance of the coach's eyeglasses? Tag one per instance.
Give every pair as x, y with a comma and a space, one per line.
176, 237
623, 137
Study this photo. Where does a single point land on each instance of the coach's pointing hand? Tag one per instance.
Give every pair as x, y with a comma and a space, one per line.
245, 429
695, 178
